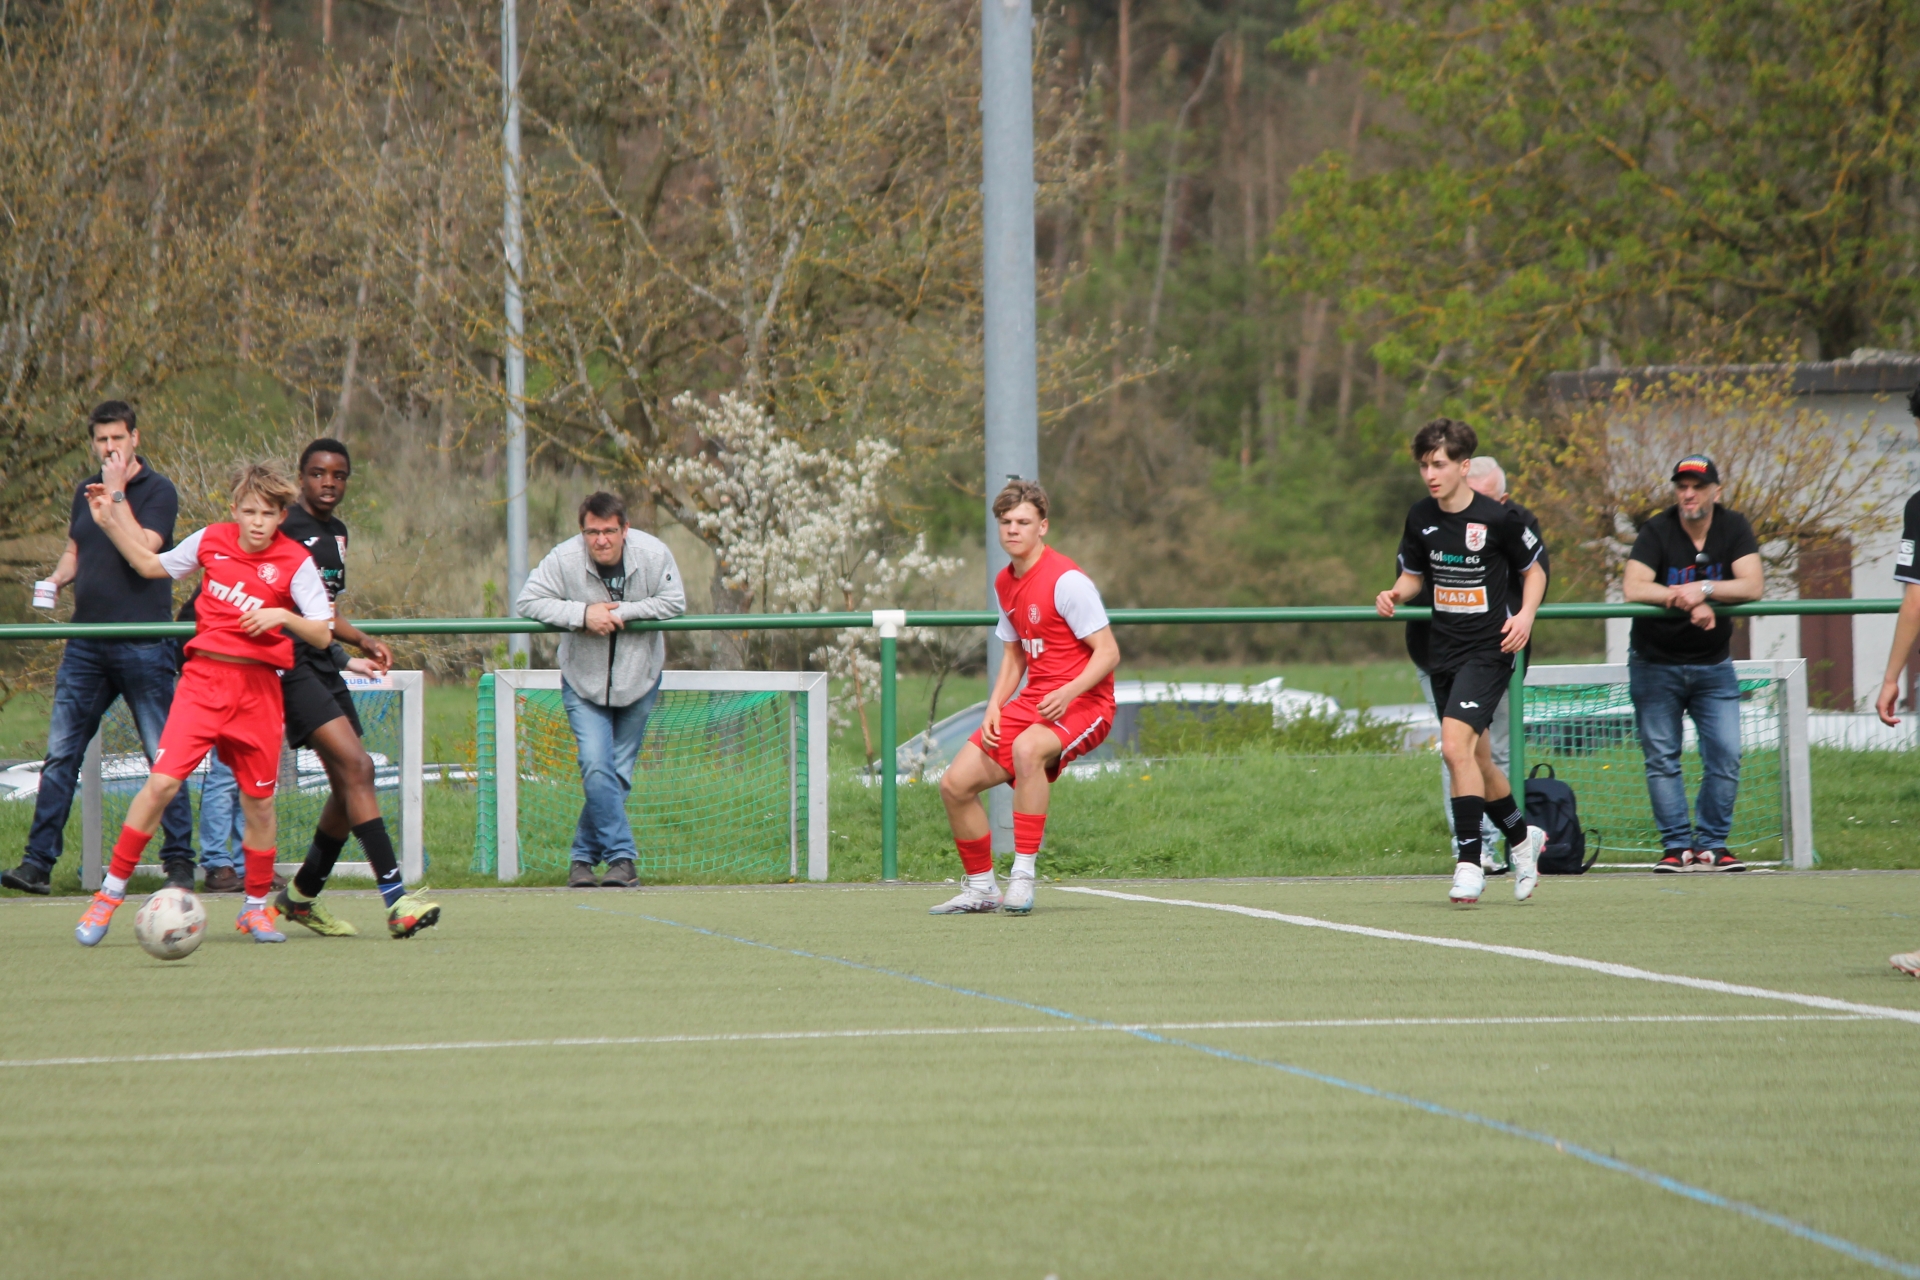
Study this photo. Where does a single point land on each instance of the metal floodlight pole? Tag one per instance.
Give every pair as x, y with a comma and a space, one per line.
1013, 402
516, 355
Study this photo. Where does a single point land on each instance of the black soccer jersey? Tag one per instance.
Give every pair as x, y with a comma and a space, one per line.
1419, 634
1906, 566
326, 541
1469, 558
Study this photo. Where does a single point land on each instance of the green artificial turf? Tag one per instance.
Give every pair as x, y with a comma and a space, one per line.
1047, 1147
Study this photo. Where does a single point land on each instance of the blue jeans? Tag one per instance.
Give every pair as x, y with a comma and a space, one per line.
609, 741
222, 824
1662, 694
92, 674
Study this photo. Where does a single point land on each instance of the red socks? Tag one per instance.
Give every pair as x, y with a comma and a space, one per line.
976, 856
1028, 831
259, 871
126, 852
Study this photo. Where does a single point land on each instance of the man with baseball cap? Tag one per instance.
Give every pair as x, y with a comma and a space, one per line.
1690, 557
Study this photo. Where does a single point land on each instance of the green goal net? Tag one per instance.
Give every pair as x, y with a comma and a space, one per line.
723, 787
1582, 724
120, 770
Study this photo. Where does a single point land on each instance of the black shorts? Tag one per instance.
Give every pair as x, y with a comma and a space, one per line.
314, 698
1469, 694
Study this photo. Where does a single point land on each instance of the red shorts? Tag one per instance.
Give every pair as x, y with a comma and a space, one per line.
232, 706
1085, 726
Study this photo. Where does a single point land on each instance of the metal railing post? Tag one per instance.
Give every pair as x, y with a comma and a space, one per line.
889, 621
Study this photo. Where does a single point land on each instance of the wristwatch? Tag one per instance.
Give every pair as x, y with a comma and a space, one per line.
119, 495
1706, 589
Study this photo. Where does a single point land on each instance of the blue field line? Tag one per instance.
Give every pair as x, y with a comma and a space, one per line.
1799, 1230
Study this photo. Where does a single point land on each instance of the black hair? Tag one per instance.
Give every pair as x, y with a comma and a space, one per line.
1449, 436
112, 411
605, 506
326, 444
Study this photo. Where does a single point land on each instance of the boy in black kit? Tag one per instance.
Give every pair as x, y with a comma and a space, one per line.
321, 715
1466, 546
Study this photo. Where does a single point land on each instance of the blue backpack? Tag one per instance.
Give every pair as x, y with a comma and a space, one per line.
1551, 807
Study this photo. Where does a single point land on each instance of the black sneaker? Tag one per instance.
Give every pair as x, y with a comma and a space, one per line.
580, 876
179, 873
621, 875
28, 877
1721, 860
1675, 860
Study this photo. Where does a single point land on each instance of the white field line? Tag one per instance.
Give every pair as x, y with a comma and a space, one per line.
1526, 953
743, 1037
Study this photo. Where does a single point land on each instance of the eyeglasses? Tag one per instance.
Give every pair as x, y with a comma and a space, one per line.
600, 535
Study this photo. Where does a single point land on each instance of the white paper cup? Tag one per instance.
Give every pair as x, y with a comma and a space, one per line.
46, 593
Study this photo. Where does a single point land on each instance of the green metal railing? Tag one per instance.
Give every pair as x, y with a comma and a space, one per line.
890, 622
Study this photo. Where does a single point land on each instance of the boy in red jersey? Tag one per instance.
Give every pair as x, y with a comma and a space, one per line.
259, 586
1056, 635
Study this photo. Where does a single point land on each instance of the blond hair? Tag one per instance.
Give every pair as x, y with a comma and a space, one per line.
263, 480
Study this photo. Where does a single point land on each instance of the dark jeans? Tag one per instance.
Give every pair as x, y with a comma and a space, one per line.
1662, 694
92, 674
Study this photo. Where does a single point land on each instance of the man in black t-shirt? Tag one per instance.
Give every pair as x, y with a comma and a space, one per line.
321, 715
95, 672
1468, 549
1691, 556
1906, 633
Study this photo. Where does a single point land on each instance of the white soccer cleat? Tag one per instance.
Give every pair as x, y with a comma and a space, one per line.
970, 901
1908, 963
1019, 897
1468, 881
1526, 863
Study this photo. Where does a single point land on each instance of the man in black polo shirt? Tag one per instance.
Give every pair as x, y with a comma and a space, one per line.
95, 672
1691, 556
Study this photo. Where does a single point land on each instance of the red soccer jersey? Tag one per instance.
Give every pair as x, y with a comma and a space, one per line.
1050, 610
237, 582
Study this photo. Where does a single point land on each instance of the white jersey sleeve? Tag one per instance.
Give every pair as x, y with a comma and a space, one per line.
1077, 600
309, 592
184, 557
1003, 630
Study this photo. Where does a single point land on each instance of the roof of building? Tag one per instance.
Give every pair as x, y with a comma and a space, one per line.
1868, 371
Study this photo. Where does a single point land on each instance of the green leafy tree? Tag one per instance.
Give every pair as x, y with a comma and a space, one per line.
1576, 180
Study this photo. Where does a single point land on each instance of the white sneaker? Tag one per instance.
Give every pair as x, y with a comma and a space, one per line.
1019, 899
1526, 863
969, 901
1468, 881
1908, 963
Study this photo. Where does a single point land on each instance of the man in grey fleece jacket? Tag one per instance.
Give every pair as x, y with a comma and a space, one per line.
593, 585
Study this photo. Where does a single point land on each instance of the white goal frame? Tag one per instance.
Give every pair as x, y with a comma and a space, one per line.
1796, 795
410, 685
507, 682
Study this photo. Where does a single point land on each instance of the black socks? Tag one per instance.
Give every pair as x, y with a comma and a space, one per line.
324, 852
311, 878
1506, 815
1467, 811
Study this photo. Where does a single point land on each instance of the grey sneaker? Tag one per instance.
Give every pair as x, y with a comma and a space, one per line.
621, 875
580, 876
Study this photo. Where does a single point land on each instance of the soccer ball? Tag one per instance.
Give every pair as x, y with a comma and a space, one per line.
170, 924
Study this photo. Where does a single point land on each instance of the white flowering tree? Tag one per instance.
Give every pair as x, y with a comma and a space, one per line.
798, 530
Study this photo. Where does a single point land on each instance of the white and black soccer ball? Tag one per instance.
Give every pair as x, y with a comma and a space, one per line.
170, 924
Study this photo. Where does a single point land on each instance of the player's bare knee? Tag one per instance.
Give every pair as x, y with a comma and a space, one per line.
952, 790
